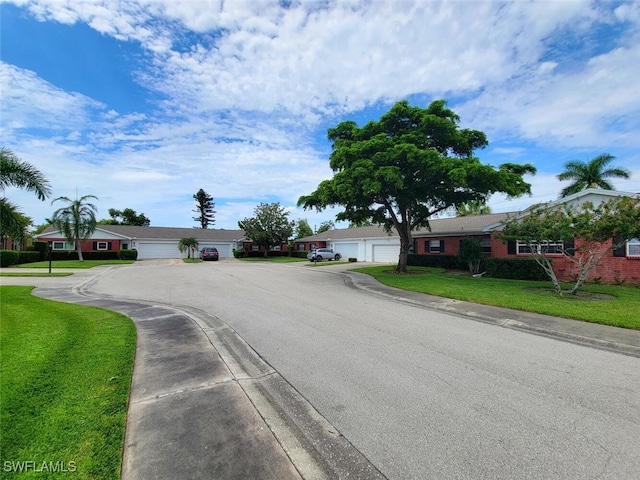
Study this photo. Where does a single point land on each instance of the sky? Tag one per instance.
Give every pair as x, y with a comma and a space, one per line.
144, 102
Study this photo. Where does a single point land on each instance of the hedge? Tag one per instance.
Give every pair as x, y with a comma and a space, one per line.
512, 268
131, 254
9, 257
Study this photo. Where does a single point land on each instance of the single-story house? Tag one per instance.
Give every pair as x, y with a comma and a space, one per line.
373, 244
151, 242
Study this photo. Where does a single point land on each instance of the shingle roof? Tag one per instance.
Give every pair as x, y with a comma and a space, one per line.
468, 225
169, 233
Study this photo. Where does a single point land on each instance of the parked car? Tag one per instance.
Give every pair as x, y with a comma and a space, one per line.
320, 254
209, 253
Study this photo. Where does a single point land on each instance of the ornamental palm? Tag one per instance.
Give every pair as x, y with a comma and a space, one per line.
590, 175
76, 221
189, 245
17, 173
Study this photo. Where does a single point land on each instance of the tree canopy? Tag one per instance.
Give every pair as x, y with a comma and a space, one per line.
325, 226
472, 208
127, 216
408, 166
587, 233
204, 209
76, 220
269, 227
303, 229
592, 174
189, 245
15, 172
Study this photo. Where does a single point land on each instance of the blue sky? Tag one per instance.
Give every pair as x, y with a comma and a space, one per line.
143, 102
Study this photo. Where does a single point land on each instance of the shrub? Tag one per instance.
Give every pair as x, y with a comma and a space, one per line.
277, 253
131, 254
100, 255
450, 262
299, 253
8, 258
353, 259
238, 253
471, 253
514, 268
28, 257
43, 248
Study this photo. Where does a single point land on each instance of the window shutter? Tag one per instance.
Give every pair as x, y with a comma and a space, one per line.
441, 246
569, 246
620, 251
95, 245
511, 247
109, 246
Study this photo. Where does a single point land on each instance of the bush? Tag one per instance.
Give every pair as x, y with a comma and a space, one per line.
277, 253
353, 259
299, 253
8, 258
131, 254
28, 257
43, 248
238, 253
514, 268
450, 262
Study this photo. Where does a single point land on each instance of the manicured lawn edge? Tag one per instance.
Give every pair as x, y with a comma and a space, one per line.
615, 305
65, 378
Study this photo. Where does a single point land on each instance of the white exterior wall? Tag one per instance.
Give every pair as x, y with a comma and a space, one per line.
365, 246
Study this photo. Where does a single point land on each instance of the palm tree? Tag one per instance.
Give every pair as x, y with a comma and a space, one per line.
591, 174
76, 221
188, 244
17, 173
473, 208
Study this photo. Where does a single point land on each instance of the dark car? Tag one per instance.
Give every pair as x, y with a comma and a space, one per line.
209, 253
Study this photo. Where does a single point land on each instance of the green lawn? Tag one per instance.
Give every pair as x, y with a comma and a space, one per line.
192, 260
322, 264
35, 274
65, 375
74, 263
606, 304
274, 259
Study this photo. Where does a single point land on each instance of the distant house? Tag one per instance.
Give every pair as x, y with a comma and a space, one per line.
151, 242
373, 244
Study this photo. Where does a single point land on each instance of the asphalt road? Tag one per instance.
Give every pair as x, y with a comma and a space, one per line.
422, 394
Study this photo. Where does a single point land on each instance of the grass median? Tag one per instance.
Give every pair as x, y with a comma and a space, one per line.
65, 376
73, 263
616, 305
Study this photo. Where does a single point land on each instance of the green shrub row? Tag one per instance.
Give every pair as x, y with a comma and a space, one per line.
513, 268
131, 254
299, 253
16, 257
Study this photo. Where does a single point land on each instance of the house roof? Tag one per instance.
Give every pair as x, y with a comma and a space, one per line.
468, 225
165, 233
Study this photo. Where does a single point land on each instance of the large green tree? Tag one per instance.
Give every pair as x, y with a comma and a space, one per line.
269, 227
127, 216
593, 231
591, 174
472, 208
76, 220
326, 226
15, 172
403, 169
204, 209
303, 229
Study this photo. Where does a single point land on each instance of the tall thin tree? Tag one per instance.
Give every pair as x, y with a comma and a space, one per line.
592, 174
204, 209
76, 221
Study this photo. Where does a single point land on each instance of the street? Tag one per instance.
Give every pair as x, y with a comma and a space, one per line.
422, 394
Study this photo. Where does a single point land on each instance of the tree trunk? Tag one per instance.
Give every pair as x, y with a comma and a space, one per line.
405, 245
79, 250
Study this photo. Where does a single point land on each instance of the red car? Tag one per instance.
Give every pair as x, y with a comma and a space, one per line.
209, 253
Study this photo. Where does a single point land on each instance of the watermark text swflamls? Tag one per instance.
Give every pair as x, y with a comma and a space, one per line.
39, 467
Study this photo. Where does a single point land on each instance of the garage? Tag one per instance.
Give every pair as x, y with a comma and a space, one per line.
346, 249
386, 253
157, 249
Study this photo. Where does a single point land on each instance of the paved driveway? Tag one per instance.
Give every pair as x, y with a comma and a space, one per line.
421, 393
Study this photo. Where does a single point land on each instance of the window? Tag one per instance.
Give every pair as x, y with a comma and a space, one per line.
434, 246
61, 246
548, 247
276, 248
103, 246
124, 246
485, 245
301, 246
255, 248
633, 247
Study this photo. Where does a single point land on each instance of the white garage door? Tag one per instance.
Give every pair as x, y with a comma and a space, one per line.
346, 249
147, 250
386, 253
224, 249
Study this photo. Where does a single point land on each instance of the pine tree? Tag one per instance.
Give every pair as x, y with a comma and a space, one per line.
204, 209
